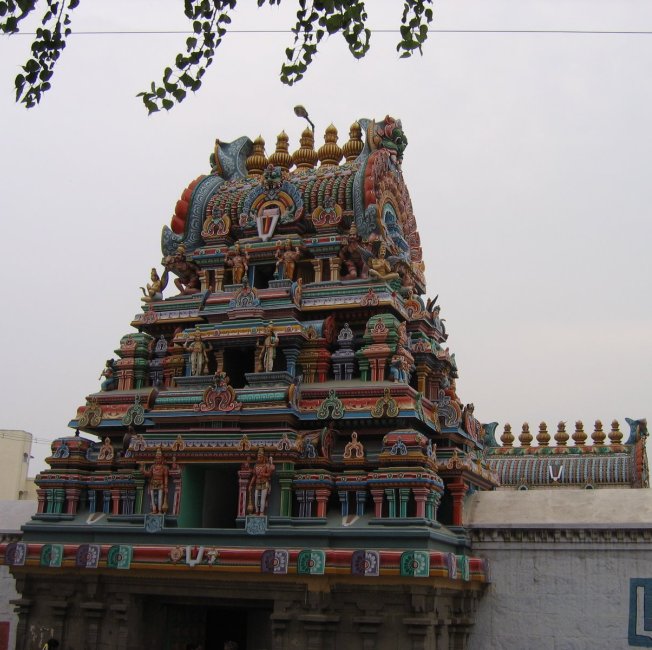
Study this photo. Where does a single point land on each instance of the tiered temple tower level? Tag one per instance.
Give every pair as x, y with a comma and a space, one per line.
298, 321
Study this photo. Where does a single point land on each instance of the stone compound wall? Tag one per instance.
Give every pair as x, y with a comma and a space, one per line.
558, 585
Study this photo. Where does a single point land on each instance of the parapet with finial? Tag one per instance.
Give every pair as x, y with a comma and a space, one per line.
601, 463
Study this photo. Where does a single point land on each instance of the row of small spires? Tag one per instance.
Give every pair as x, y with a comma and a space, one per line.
561, 437
330, 153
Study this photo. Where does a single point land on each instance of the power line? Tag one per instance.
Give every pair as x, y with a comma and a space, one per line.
373, 31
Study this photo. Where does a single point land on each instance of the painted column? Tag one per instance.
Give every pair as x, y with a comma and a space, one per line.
458, 490
285, 481
377, 494
322, 501
244, 476
360, 500
404, 496
317, 266
420, 496
72, 500
390, 493
291, 353
344, 502
335, 264
219, 279
40, 495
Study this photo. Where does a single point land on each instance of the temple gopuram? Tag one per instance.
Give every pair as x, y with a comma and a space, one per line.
277, 454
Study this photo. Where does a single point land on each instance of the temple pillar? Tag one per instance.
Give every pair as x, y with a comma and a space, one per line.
219, 279
404, 497
310, 499
93, 613
280, 623
317, 267
344, 502
301, 500
322, 495
458, 490
390, 493
72, 500
422, 375
420, 497
360, 500
367, 627
59, 495
219, 359
291, 353
419, 632
41, 498
377, 494
140, 488
285, 481
59, 608
244, 476
115, 501
204, 279
175, 476
318, 630
22, 607
335, 263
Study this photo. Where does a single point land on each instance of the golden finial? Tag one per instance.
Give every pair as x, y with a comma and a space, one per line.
526, 437
579, 437
543, 437
257, 162
615, 435
330, 153
305, 157
508, 437
281, 158
354, 146
561, 437
598, 435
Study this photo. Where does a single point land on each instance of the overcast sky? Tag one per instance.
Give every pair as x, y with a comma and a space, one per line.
528, 165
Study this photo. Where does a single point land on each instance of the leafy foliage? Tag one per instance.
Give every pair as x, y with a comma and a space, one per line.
315, 20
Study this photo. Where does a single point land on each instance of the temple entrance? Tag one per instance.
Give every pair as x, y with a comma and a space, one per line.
211, 627
226, 625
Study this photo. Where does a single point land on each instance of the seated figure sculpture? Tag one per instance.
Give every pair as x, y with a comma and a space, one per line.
154, 290
380, 268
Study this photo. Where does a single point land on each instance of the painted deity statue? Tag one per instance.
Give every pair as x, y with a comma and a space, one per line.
267, 352
153, 291
110, 380
198, 354
158, 475
187, 282
260, 484
286, 260
380, 268
239, 262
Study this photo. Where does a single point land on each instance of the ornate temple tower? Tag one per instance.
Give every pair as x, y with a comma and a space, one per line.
283, 456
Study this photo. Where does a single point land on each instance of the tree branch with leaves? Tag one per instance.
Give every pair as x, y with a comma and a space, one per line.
209, 20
